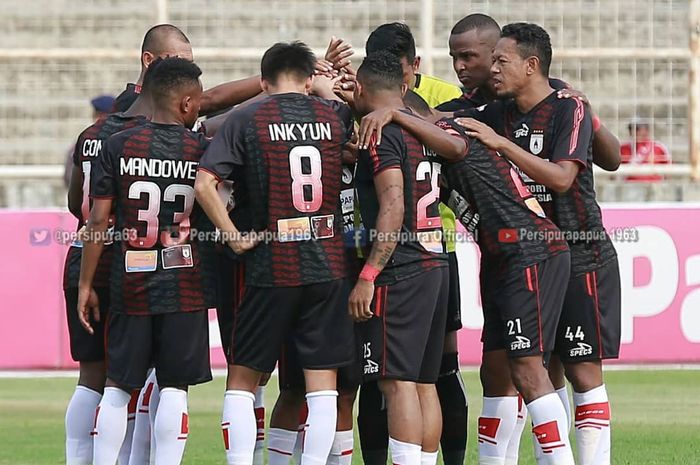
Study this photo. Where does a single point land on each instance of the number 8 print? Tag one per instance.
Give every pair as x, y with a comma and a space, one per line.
301, 179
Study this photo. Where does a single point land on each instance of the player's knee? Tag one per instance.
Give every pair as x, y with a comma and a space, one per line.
584, 376
92, 375
495, 375
530, 377
556, 372
393, 387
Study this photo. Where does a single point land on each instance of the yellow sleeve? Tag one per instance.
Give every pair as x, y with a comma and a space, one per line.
436, 91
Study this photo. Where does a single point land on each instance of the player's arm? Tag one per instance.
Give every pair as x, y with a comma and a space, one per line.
75, 193
448, 146
223, 156
229, 94
389, 188
558, 176
93, 243
207, 196
606, 146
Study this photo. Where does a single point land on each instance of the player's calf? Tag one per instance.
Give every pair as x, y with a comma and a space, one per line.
171, 427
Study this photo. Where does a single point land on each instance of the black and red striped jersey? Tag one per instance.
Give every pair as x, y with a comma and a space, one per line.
285, 152
127, 98
420, 246
491, 200
559, 129
87, 149
164, 259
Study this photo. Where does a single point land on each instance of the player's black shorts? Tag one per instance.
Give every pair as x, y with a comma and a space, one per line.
454, 302
176, 344
291, 374
404, 339
522, 309
315, 316
85, 347
231, 279
589, 327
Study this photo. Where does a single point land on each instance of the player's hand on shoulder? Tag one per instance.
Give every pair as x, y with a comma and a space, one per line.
243, 242
88, 305
480, 131
372, 124
573, 93
360, 300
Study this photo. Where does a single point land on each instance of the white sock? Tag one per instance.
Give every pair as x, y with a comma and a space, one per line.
593, 426
110, 426
496, 424
238, 421
321, 421
125, 451
341, 450
428, 458
152, 412
141, 442
564, 396
513, 449
404, 453
280, 445
299, 444
259, 407
80, 419
549, 420
172, 426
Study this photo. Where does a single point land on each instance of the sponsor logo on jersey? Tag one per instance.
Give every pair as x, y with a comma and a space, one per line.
580, 351
520, 343
522, 132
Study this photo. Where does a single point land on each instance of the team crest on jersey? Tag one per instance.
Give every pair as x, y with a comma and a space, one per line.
536, 143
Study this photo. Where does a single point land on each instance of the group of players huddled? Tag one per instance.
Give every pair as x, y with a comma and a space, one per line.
315, 208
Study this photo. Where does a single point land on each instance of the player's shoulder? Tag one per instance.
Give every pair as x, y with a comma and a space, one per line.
341, 108
433, 84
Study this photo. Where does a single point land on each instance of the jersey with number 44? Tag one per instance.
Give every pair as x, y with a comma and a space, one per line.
285, 150
164, 259
420, 244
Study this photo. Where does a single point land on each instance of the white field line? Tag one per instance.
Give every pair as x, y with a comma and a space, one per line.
221, 372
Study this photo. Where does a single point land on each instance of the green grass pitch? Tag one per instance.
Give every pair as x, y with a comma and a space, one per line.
656, 419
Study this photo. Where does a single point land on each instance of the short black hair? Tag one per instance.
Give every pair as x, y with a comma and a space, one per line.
381, 71
532, 40
395, 38
477, 21
416, 103
169, 75
156, 37
293, 57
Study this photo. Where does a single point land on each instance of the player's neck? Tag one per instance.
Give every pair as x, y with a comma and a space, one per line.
165, 116
286, 86
386, 100
533, 94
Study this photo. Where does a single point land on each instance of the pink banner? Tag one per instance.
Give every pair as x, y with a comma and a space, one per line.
659, 267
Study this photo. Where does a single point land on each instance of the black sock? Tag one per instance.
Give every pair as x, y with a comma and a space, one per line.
453, 403
372, 425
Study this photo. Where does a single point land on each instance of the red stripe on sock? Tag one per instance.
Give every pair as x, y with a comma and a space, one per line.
598, 411
281, 452
346, 452
489, 426
147, 396
224, 430
483, 439
547, 433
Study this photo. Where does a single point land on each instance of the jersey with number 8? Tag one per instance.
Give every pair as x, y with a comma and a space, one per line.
159, 266
285, 154
421, 245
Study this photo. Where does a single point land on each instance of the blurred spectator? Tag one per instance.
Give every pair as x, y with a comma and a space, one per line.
101, 106
642, 150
